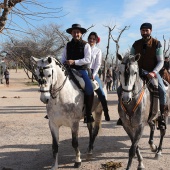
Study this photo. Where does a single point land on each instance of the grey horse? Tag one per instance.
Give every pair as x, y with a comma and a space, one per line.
134, 108
65, 105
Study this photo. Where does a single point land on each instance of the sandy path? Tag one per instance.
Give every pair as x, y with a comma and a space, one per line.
25, 140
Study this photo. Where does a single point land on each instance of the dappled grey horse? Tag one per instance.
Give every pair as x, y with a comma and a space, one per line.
135, 109
65, 105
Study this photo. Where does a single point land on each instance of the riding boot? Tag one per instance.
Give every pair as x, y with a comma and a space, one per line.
103, 101
88, 117
119, 122
161, 118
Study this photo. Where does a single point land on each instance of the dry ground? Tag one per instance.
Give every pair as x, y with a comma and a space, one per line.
25, 140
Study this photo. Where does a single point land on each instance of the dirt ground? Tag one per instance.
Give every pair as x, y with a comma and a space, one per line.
25, 139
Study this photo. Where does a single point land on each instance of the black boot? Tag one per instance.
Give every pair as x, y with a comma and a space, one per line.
88, 117
161, 118
103, 101
119, 122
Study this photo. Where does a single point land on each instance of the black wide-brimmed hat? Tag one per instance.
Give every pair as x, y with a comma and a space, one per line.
146, 25
76, 26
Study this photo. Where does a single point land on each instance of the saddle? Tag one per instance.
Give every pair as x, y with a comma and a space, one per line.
78, 80
152, 85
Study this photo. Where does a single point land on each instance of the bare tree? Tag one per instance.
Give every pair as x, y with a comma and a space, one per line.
48, 40
27, 11
107, 52
117, 41
166, 48
6, 8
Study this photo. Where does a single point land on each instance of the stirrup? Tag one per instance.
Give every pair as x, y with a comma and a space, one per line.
119, 122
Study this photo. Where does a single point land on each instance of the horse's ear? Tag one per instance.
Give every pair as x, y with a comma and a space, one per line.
34, 59
119, 57
49, 59
137, 57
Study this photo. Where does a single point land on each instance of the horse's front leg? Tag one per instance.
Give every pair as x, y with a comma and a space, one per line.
55, 140
91, 140
153, 147
135, 137
94, 130
75, 129
159, 150
140, 159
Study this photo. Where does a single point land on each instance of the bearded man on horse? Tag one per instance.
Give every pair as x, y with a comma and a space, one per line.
150, 63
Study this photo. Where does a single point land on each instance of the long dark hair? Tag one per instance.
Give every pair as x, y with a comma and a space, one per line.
95, 34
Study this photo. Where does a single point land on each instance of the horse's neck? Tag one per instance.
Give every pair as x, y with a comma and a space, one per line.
139, 84
61, 77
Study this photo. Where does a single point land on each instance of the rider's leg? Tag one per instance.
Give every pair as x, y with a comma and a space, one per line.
102, 99
163, 103
89, 95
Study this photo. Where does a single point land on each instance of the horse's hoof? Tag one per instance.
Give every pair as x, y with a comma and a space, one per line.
158, 156
54, 168
153, 148
141, 168
90, 150
77, 164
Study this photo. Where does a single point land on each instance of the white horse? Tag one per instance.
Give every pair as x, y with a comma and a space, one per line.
65, 105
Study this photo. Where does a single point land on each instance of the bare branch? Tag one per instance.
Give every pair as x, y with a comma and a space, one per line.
165, 51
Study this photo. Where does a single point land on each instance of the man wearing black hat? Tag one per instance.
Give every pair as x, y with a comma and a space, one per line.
77, 54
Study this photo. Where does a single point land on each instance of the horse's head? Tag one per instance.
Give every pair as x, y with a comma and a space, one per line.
128, 75
45, 73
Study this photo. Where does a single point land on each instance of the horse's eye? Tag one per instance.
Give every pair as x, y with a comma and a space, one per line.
49, 75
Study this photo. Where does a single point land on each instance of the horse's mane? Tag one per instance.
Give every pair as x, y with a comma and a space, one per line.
58, 62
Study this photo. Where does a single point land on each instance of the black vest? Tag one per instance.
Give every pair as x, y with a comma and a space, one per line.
75, 51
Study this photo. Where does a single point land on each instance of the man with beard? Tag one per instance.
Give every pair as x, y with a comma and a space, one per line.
150, 62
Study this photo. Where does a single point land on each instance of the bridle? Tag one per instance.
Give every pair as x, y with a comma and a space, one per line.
52, 90
145, 85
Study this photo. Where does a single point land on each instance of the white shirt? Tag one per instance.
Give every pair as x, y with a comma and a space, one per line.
80, 62
96, 58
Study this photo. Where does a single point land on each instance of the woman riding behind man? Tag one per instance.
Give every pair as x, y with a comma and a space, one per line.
96, 58
77, 54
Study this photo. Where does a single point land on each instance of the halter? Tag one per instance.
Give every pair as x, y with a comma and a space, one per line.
127, 77
52, 91
141, 91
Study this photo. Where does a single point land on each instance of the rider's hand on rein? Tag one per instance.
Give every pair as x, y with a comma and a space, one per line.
70, 62
151, 75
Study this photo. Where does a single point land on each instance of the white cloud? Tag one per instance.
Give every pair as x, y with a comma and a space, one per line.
136, 7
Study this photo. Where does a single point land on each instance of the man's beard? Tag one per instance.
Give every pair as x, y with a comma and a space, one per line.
146, 36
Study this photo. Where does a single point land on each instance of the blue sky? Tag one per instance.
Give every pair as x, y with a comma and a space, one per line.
113, 12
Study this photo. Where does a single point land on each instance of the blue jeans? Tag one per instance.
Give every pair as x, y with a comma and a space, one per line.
161, 88
88, 85
100, 85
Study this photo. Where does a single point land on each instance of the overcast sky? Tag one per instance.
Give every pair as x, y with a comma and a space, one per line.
114, 12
